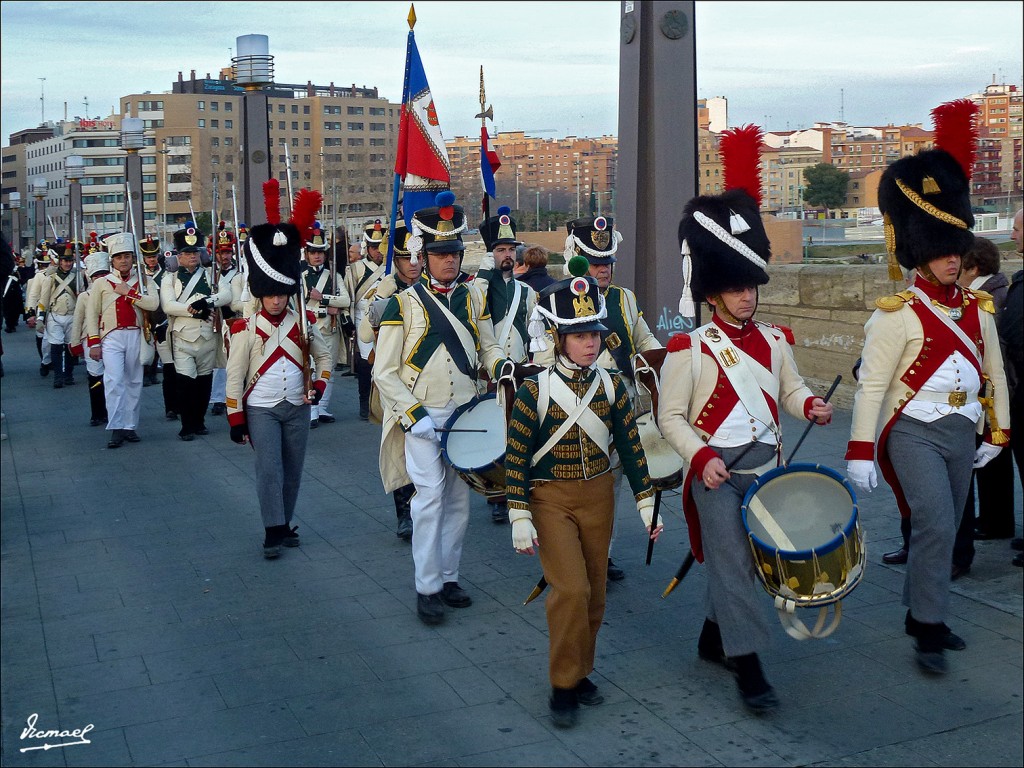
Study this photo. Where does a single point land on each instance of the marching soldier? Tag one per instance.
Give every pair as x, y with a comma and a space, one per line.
45, 265
434, 338
13, 299
150, 250
97, 264
278, 365
509, 301
360, 278
224, 256
188, 300
565, 425
595, 238
929, 351
326, 301
115, 323
58, 294
407, 272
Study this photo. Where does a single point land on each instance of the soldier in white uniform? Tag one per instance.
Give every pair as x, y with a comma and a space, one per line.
510, 303
188, 299
224, 245
326, 301
45, 265
58, 295
360, 278
115, 324
97, 265
434, 338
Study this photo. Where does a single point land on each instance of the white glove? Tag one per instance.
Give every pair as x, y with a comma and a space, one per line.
524, 535
985, 453
424, 428
487, 262
646, 509
862, 474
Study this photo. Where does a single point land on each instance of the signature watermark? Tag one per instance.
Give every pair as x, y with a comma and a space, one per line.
31, 732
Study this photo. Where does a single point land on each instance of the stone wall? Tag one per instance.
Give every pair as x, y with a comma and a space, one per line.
827, 306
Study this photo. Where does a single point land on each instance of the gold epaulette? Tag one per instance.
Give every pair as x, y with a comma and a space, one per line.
894, 302
985, 301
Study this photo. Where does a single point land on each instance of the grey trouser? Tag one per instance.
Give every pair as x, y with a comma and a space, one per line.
734, 599
279, 436
933, 462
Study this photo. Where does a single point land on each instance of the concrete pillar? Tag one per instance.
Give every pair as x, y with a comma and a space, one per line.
657, 172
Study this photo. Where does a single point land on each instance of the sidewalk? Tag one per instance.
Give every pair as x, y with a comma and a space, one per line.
136, 602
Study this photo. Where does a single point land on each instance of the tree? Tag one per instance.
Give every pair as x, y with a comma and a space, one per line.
593, 203
826, 185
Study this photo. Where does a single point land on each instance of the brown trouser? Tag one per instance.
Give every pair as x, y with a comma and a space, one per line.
574, 520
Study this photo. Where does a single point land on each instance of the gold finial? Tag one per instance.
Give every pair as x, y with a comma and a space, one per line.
412, 15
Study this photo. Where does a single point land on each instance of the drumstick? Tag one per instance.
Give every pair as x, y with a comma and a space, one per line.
812, 422
541, 586
680, 574
654, 524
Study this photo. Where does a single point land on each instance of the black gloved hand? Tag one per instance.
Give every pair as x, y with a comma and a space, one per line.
315, 395
160, 332
526, 370
205, 314
202, 305
238, 433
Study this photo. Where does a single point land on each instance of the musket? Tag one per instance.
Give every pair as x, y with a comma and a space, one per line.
53, 229
288, 168
688, 562
140, 265
243, 267
215, 279
75, 252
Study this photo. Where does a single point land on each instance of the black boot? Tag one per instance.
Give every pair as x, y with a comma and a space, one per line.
755, 691
149, 379
565, 706
273, 540
185, 396
69, 365
170, 383
709, 645
203, 388
97, 401
932, 641
57, 363
403, 502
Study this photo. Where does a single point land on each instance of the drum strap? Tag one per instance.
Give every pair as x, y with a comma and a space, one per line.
504, 327
747, 377
553, 388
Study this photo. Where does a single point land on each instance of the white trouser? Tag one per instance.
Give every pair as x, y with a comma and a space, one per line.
58, 329
93, 367
440, 509
219, 392
122, 377
45, 350
194, 358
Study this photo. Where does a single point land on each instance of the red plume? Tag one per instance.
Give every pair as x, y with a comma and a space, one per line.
272, 200
956, 131
304, 210
741, 158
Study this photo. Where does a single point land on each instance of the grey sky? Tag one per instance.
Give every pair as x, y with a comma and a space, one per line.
550, 68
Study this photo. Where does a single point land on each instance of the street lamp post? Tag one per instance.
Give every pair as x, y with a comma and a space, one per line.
39, 193
537, 229
253, 69
14, 201
577, 164
74, 170
133, 138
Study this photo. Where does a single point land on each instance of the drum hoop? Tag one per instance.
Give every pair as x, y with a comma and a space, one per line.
450, 423
803, 554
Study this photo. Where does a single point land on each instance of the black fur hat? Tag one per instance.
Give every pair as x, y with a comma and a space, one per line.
272, 254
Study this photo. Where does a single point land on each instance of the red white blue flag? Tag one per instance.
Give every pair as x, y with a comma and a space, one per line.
421, 161
489, 163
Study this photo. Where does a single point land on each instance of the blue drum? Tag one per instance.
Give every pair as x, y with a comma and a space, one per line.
473, 442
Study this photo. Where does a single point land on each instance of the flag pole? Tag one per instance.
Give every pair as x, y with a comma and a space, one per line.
407, 105
486, 208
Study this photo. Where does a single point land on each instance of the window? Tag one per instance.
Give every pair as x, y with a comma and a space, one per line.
214, 142
229, 176
229, 141
295, 125
355, 142
377, 111
280, 108
153, 124
228, 106
305, 109
305, 126
377, 142
214, 106
280, 125
215, 123
201, 105
331, 142
377, 127
202, 123
356, 127
229, 124
306, 142
295, 109
353, 158
355, 110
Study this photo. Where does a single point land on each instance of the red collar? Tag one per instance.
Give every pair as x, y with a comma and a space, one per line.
738, 334
947, 295
274, 320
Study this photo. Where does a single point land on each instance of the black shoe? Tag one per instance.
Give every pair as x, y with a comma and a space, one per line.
587, 693
499, 514
944, 638
455, 596
69, 381
187, 437
218, 409
956, 571
171, 416
953, 642
614, 572
58, 383
932, 662
565, 707
404, 530
986, 536
429, 608
1017, 544
326, 418
314, 423
273, 540
130, 436
758, 696
291, 537
364, 415
116, 439
899, 557
202, 431
96, 422
44, 369
709, 645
